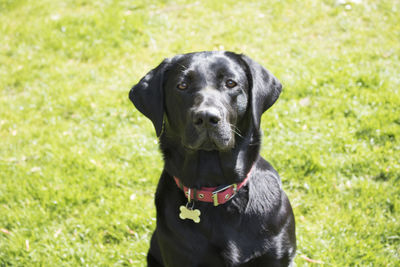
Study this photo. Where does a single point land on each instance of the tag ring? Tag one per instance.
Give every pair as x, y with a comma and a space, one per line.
190, 207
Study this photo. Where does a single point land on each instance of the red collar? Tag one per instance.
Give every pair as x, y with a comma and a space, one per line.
217, 195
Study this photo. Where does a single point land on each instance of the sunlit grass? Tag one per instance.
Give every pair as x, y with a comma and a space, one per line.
79, 165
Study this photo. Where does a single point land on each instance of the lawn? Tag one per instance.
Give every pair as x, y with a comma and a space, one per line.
79, 165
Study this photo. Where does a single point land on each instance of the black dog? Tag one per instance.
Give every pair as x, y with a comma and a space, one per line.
218, 202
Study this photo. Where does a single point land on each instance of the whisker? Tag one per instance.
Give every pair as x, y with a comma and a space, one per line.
255, 144
184, 67
236, 130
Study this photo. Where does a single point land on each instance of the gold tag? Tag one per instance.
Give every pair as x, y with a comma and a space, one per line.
192, 214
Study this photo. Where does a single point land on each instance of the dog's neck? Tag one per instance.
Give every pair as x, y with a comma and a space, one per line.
199, 168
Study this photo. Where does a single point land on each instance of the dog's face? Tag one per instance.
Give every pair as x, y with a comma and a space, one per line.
204, 95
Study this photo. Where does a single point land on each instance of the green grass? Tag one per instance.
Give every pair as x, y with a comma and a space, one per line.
79, 165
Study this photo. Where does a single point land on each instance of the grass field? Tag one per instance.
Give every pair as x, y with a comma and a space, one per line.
79, 165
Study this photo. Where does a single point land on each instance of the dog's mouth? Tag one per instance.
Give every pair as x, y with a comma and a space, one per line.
209, 140
207, 146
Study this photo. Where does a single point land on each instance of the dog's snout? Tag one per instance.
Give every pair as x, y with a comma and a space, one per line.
206, 117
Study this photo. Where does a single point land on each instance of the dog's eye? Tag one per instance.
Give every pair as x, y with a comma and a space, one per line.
230, 83
182, 86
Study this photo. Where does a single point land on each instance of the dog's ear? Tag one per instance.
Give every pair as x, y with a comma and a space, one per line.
148, 95
265, 88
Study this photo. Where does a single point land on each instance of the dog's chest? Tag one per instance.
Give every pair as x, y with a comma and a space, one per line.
234, 236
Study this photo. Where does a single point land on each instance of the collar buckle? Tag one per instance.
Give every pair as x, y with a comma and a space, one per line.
227, 197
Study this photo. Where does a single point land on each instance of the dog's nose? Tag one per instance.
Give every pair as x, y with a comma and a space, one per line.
206, 117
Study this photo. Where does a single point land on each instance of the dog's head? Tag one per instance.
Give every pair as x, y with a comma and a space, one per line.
203, 97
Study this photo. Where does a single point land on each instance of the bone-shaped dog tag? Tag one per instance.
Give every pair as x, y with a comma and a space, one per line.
192, 214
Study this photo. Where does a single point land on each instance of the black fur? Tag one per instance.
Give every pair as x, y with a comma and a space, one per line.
209, 136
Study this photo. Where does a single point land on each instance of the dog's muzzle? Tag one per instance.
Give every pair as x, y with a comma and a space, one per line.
210, 130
